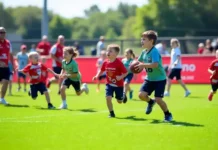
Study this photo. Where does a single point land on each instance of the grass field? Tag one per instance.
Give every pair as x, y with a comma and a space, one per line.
28, 125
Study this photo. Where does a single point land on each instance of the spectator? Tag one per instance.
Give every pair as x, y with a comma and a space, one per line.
93, 51
33, 48
200, 48
161, 47
100, 45
209, 47
44, 46
79, 48
216, 47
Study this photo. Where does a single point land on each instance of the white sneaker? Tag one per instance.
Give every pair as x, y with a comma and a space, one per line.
63, 106
85, 87
166, 94
3, 101
187, 93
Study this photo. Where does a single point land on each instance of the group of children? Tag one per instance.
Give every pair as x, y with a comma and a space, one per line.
117, 73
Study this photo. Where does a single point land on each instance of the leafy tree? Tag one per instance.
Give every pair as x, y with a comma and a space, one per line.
92, 10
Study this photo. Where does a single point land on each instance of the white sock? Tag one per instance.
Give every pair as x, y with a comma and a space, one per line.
64, 102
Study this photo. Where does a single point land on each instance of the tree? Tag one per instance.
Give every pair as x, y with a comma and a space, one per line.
92, 10
80, 28
128, 28
111, 34
126, 10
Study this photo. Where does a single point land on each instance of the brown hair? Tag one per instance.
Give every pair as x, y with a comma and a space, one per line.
151, 35
129, 50
72, 50
115, 47
176, 41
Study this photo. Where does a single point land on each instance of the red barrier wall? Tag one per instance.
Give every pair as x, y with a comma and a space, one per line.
194, 69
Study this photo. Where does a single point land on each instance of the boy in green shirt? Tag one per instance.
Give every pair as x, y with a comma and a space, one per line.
156, 78
71, 75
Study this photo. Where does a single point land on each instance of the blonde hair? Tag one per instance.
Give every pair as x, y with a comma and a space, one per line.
31, 54
115, 47
176, 41
129, 50
71, 50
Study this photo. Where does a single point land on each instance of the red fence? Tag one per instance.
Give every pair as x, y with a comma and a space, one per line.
194, 69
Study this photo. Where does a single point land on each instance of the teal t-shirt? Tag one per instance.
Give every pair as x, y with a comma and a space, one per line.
153, 56
71, 67
126, 63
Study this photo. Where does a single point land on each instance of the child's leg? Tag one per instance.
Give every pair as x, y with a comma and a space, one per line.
98, 85
63, 93
109, 95
24, 83
182, 84
213, 91
18, 81
47, 97
10, 88
168, 84
79, 91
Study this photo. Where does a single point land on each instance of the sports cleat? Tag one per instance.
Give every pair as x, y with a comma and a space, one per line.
210, 96
29, 93
3, 101
124, 99
150, 107
166, 94
85, 87
131, 94
111, 116
187, 93
62, 106
168, 118
50, 106
24, 90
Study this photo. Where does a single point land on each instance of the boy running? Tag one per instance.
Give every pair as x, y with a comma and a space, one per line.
156, 78
36, 71
71, 75
115, 73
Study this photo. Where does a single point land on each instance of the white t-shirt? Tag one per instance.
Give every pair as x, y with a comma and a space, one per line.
99, 47
174, 53
53, 51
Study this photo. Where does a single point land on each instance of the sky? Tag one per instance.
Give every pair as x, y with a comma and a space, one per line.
71, 8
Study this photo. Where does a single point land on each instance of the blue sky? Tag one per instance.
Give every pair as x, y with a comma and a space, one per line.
71, 8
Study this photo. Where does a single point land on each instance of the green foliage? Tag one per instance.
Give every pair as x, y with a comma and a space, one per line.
92, 10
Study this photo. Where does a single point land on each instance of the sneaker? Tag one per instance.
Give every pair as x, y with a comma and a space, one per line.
150, 107
3, 101
124, 99
166, 94
62, 106
168, 118
50, 106
85, 87
210, 96
18, 89
131, 94
111, 116
59, 92
187, 93
24, 90
29, 93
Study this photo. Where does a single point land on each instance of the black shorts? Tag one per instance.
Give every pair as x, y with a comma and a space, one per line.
34, 88
76, 84
103, 76
57, 70
175, 73
21, 75
157, 86
110, 90
5, 73
214, 87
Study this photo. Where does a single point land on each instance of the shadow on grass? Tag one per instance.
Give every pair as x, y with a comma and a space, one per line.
195, 97
133, 118
17, 105
177, 123
134, 99
16, 95
45, 108
89, 110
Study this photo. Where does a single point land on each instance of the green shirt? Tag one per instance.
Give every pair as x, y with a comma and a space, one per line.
127, 63
70, 68
153, 56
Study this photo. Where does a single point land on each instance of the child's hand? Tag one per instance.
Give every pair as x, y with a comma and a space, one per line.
140, 66
56, 75
119, 78
175, 64
94, 78
214, 72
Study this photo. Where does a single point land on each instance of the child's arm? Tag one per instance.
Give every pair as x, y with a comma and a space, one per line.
97, 75
52, 72
212, 71
21, 71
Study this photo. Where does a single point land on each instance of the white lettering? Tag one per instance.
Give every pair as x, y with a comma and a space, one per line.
189, 67
3, 56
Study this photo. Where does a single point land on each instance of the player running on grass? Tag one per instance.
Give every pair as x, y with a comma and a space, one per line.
36, 71
115, 73
22, 61
175, 68
213, 70
10, 79
71, 75
129, 58
99, 63
156, 78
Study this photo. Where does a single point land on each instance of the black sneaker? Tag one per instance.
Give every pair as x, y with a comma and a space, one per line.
29, 93
111, 116
150, 107
50, 106
59, 92
124, 99
168, 117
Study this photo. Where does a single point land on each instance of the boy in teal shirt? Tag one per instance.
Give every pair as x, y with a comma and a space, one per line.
156, 78
71, 75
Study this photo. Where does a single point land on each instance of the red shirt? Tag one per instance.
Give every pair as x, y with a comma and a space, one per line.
5, 50
200, 50
214, 67
37, 73
57, 50
114, 69
45, 46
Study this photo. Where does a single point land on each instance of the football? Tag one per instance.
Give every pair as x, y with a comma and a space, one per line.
133, 69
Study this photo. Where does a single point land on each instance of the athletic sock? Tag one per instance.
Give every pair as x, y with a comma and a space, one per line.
64, 102
167, 112
112, 112
151, 101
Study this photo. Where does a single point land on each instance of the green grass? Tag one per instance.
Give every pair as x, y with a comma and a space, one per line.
28, 125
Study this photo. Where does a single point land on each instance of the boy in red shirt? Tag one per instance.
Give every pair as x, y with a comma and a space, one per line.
213, 70
115, 72
37, 73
